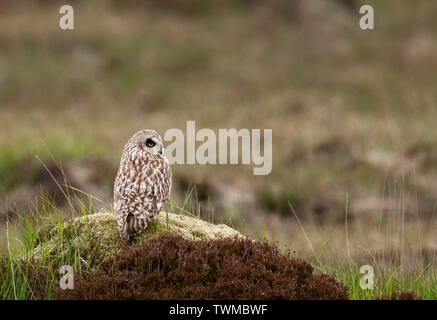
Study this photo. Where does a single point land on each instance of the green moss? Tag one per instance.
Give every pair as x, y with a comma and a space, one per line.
199, 234
93, 239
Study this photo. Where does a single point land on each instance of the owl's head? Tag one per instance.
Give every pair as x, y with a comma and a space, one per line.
148, 141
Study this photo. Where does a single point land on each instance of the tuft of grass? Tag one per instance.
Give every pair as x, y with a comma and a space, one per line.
388, 284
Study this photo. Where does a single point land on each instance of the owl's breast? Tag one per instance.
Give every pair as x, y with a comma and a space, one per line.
155, 178
143, 185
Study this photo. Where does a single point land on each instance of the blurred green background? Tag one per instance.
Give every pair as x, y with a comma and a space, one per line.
353, 112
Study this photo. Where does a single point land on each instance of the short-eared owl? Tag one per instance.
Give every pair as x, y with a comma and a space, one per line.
143, 183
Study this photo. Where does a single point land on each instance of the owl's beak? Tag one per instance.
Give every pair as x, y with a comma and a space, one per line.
161, 150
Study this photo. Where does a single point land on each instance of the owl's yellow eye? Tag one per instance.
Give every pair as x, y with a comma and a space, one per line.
150, 143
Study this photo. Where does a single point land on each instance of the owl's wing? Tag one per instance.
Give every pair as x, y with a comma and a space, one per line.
144, 188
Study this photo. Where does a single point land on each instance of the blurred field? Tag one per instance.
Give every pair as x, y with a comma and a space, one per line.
353, 113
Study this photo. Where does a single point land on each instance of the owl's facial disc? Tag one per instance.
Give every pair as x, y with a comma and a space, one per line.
152, 144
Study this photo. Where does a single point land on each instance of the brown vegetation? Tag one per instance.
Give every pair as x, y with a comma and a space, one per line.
404, 295
171, 267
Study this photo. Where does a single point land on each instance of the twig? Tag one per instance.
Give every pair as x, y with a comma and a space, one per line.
306, 236
346, 233
10, 258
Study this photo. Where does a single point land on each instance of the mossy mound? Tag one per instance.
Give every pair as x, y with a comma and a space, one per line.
177, 257
93, 239
173, 267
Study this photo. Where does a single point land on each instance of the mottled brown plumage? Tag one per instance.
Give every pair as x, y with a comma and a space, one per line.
143, 183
